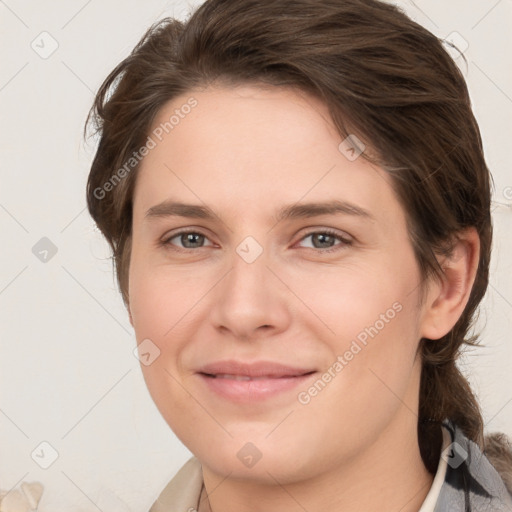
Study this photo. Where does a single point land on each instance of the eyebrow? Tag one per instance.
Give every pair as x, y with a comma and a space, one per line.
171, 208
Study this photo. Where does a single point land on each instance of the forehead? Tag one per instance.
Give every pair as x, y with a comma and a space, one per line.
253, 147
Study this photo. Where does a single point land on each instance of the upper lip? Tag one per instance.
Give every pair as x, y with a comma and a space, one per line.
255, 369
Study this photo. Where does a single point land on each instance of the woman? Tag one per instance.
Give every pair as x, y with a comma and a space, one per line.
298, 204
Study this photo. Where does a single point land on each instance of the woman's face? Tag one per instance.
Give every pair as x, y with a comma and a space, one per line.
270, 346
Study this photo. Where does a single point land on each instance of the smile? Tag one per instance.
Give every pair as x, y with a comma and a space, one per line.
249, 382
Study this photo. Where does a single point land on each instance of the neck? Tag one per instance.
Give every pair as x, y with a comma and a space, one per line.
389, 475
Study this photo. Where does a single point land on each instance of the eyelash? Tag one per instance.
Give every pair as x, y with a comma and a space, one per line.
166, 242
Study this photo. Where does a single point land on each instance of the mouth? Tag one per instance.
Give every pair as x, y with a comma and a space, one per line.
244, 382
246, 377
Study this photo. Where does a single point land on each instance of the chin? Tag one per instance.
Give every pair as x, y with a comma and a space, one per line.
256, 459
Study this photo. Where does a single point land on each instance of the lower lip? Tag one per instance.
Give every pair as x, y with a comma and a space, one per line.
253, 390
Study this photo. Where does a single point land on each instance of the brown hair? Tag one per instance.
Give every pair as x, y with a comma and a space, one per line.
383, 77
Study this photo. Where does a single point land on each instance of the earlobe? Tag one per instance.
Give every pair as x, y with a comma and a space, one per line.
447, 297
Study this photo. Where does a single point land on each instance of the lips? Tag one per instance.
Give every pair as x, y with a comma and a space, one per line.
238, 377
242, 382
253, 371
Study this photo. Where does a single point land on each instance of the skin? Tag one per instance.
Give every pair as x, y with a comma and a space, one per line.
246, 152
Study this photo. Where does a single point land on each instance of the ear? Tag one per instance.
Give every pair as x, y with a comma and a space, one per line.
447, 297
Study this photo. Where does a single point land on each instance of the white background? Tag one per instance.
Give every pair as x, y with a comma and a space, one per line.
67, 372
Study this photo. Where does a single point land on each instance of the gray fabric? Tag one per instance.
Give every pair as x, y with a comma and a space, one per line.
471, 483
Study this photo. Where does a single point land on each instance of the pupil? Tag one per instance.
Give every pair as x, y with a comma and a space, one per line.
324, 238
191, 238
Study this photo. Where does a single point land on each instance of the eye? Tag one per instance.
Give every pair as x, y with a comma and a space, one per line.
325, 240
187, 239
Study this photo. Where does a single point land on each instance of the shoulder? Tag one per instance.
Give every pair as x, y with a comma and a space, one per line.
182, 493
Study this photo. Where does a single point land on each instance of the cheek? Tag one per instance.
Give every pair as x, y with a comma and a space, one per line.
369, 323
368, 380
165, 304
373, 349
356, 301
160, 298
159, 308
154, 307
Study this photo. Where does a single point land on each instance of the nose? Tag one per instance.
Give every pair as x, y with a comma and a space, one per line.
251, 301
